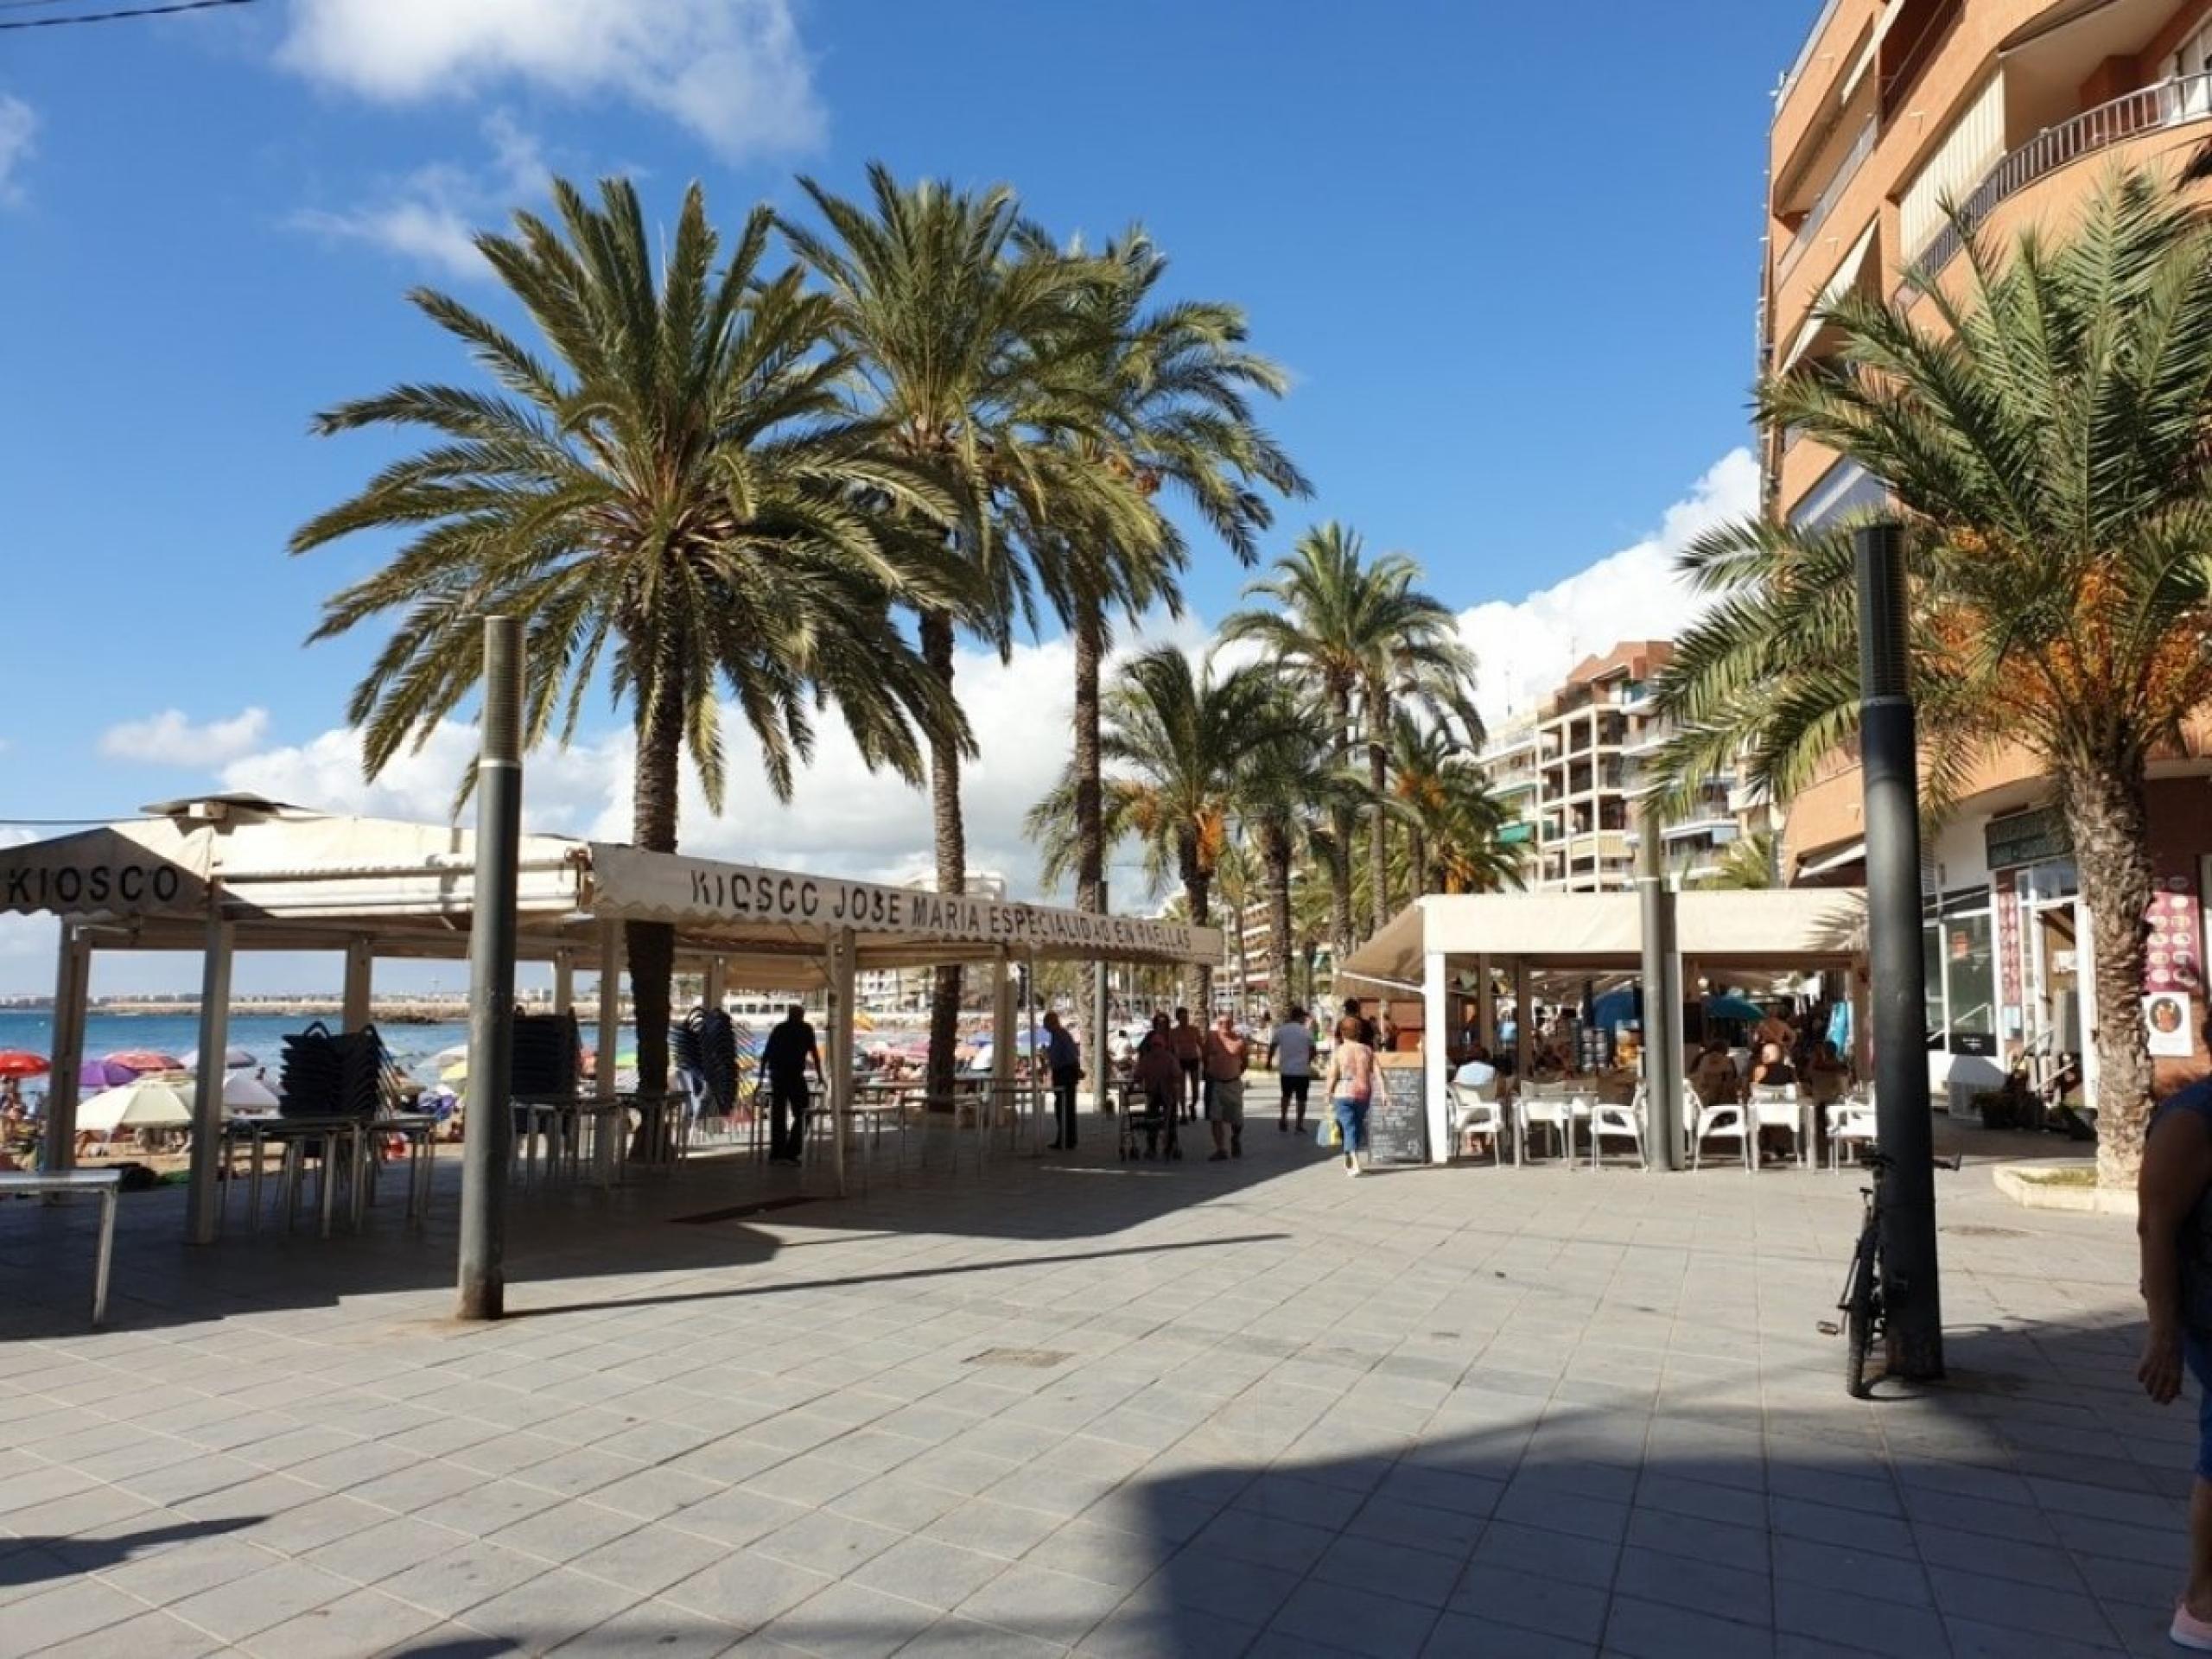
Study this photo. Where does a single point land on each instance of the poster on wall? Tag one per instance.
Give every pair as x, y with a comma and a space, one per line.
2173, 1031
2173, 961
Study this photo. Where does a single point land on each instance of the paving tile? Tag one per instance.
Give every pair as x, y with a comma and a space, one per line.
966, 1638
847, 1621
1458, 1635
2027, 1608
554, 1607
1703, 1587
828, 1542
1041, 1603
1530, 1601
937, 1574
994, 1529
659, 1628
1355, 1621
1650, 1629
746, 1589
367, 1621
71, 1610
245, 1606
451, 1582
1841, 1613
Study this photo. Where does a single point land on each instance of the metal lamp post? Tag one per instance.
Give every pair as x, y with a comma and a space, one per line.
485, 1149
1890, 751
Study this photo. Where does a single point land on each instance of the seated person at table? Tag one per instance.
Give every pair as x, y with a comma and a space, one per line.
1825, 1076
1475, 1072
1713, 1074
1773, 1071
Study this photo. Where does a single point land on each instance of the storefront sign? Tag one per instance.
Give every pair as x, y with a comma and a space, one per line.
150, 870
2027, 838
662, 886
2011, 973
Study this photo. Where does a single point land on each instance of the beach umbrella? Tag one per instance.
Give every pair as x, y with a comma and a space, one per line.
20, 1063
139, 1105
234, 1059
143, 1059
103, 1074
244, 1092
458, 1054
454, 1071
1728, 1006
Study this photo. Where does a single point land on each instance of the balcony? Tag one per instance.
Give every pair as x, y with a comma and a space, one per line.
1705, 822
1808, 228
2168, 104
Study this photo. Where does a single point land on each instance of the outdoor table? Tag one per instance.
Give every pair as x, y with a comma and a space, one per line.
259, 1130
560, 1120
663, 1127
106, 1183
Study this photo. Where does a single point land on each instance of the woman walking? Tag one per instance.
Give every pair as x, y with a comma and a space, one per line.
1350, 1085
1160, 1077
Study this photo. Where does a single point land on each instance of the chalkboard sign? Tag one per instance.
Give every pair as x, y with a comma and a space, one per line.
1397, 1117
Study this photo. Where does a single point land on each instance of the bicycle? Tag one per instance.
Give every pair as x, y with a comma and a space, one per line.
1864, 1304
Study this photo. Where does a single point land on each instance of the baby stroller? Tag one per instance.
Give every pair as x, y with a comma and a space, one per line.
1149, 1118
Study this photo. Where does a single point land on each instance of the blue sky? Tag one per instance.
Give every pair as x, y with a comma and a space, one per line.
1511, 269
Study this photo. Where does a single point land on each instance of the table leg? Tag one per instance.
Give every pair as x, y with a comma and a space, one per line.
105, 1259
324, 1194
367, 1154
254, 1142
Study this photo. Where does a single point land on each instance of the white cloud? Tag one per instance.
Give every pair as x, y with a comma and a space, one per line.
18, 133
434, 212
732, 72
169, 739
1524, 649
842, 820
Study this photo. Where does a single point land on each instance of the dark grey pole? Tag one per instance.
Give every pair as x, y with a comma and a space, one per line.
485, 1146
1102, 1075
1663, 998
1889, 747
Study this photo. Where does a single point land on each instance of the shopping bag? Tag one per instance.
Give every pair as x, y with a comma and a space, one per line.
1329, 1133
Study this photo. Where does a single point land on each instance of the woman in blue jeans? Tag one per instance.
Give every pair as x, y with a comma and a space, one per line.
1350, 1085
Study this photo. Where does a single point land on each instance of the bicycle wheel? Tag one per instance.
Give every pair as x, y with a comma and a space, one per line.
1861, 1304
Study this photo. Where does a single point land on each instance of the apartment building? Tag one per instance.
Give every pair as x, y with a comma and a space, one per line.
908, 990
1571, 772
2015, 109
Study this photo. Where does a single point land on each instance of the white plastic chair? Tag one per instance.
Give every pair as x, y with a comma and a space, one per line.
1774, 1106
1851, 1122
1476, 1112
1544, 1106
1613, 1123
1722, 1120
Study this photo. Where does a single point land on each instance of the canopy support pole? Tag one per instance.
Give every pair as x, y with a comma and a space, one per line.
1435, 1053
360, 971
840, 1033
73, 974
564, 981
610, 1040
203, 1196
1101, 1068
1001, 1047
712, 988
1036, 1070
1524, 1021
1486, 1005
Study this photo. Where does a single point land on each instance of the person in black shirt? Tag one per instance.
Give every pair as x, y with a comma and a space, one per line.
790, 1048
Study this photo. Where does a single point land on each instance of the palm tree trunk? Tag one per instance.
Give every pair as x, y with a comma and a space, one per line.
1417, 860
1341, 825
952, 855
651, 945
1275, 853
2106, 813
1198, 892
1089, 833
1378, 838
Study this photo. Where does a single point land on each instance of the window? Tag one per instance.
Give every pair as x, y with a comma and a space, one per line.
2193, 68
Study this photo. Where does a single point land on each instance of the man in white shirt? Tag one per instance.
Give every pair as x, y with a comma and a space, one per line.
1290, 1051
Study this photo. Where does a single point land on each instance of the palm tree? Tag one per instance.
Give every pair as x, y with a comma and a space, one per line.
1289, 785
968, 332
2043, 440
679, 481
1453, 823
1181, 740
1748, 865
1174, 384
1367, 637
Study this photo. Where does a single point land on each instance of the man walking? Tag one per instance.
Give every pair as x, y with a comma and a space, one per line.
1290, 1051
1227, 1054
1190, 1046
1065, 1060
790, 1047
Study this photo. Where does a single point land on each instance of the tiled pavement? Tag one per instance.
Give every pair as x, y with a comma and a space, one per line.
1191, 1410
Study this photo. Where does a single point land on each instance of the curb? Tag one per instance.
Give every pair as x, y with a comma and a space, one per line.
2013, 1181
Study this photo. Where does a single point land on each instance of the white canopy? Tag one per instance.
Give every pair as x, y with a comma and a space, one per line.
290, 879
1776, 927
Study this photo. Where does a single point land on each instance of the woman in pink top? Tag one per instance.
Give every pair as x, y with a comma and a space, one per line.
1350, 1085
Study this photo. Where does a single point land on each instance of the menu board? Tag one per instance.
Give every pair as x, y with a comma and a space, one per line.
1397, 1117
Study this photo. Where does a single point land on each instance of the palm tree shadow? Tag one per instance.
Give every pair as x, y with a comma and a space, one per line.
33, 1559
